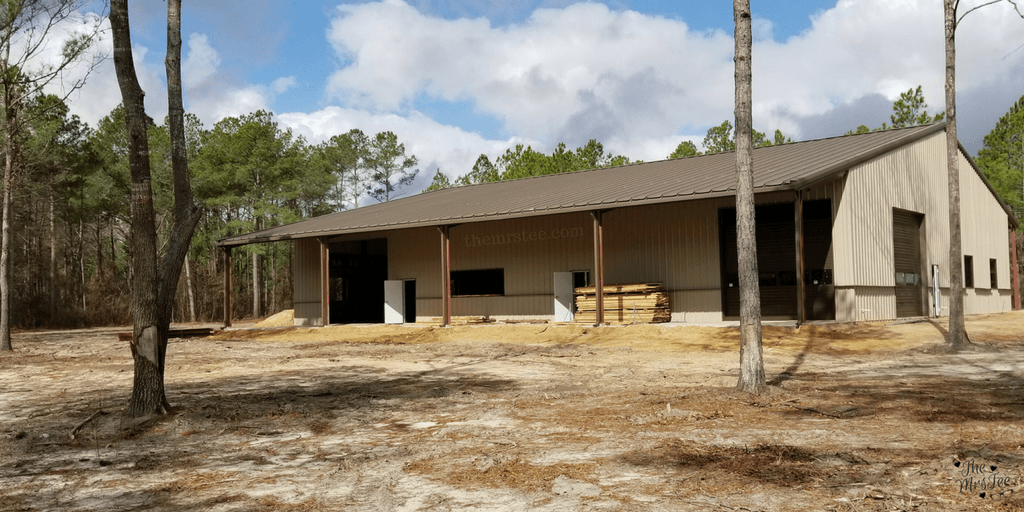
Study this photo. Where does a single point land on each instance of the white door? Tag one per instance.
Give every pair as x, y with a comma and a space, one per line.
563, 297
394, 303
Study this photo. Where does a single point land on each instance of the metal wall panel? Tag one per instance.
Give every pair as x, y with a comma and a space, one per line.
529, 250
985, 235
862, 303
913, 178
306, 282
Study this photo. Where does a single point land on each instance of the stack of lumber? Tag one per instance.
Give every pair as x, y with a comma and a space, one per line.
624, 304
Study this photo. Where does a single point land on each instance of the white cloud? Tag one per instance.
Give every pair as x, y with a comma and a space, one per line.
583, 71
209, 92
202, 61
637, 83
627, 79
435, 145
762, 28
284, 83
100, 93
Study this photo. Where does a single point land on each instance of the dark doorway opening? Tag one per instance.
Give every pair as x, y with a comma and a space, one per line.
906, 242
580, 279
409, 296
358, 270
776, 261
819, 290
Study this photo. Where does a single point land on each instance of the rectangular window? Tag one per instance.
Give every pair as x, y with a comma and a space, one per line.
466, 283
968, 271
992, 273
580, 278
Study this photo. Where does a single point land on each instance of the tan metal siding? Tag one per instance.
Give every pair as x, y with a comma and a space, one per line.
306, 281
529, 250
913, 178
907, 179
985, 235
672, 244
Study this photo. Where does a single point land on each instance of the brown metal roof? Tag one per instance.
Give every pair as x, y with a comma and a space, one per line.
783, 167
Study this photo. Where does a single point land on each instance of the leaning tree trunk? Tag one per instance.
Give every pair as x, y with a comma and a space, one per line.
148, 343
153, 288
186, 213
957, 329
752, 378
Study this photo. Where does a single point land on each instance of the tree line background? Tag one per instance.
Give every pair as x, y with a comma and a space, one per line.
69, 220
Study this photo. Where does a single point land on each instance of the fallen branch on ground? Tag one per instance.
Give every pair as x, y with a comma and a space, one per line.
75, 430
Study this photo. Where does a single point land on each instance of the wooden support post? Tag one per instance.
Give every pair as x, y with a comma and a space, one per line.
801, 289
1014, 270
325, 283
599, 265
227, 287
446, 277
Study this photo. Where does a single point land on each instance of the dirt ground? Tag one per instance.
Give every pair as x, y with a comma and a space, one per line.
864, 416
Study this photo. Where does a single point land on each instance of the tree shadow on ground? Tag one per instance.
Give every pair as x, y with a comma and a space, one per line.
988, 395
226, 425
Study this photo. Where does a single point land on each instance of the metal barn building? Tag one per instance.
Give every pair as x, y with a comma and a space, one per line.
848, 228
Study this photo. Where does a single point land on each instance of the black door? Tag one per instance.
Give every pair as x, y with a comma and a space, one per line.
358, 270
410, 301
776, 260
819, 290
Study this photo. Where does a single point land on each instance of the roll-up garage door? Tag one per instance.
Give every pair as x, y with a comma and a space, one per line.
776, 260
906, 239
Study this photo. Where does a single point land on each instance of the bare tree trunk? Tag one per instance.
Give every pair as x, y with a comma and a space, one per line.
256, 291
255, 284
99, 249
273, 280
81, 260
5, 231
147, 345
752, 378
52, 290
957, 329
153, 288
191, 296
186, 213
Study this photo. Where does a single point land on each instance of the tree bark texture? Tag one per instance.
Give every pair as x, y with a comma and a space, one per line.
186, 213
147, 343
52, 289
957, 338
153, 286
752, 379
11, 107
188, 290
5, 241
255, 284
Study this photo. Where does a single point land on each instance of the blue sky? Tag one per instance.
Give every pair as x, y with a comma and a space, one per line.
456, 78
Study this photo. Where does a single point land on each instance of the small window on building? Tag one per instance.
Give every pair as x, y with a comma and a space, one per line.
992, 273
968, 271
580, 278
489, 281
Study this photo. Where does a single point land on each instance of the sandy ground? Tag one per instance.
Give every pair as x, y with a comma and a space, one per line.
520, 417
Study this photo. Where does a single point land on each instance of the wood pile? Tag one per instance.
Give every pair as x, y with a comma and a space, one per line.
644, 303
